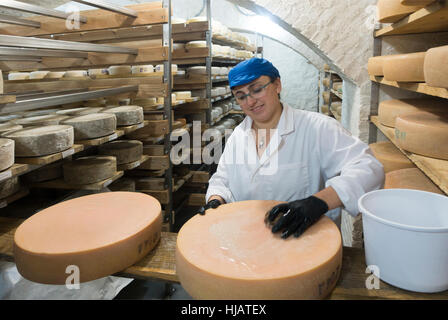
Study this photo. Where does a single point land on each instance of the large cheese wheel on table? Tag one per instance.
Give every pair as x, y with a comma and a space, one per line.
410, 178
229, 253
40, 141
423, 133
389, 110
390, 11
101, 234
405, 67
436, 67
390, 157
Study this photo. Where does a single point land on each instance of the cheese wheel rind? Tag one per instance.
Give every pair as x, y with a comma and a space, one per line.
127, 115
40, 141
125, 151
9, 186
410, 178
87, 170
423, 133
390, 157
6, 153
93, 125
405, 67
436, 67
100, 234
230, 254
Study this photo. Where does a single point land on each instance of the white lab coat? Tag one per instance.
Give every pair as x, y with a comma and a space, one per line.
307, 152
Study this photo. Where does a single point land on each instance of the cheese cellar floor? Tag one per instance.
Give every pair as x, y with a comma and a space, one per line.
152, 290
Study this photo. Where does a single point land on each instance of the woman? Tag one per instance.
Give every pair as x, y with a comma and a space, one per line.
304, 158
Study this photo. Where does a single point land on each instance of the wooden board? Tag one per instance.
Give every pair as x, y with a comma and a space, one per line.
101, 140
433, 18
61, 184
435, 169
190, 53
200, 177
23, 192
132, 165
148, 14
419, 87
196, 200
50, 158
191, 79
132, 128
161, 195
155, 163
7, 99
15, 170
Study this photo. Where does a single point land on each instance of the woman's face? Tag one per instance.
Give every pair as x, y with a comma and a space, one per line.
265, 104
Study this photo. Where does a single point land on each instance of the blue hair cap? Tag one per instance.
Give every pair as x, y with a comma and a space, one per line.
249, 70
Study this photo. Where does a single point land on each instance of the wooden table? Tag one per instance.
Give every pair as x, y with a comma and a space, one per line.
160, 264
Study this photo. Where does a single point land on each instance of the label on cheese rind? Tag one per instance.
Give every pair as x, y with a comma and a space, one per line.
100, 234
423, 133
231, 254
436, 67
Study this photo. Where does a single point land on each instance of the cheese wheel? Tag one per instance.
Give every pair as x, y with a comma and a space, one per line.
435, 67
197, 70
324, 109
177, 20
215, 71
126, 151
423, 133
55, 75
337, 86
76, 74
18, 76
231, 254
48, 172
40, 141
390, 11
47, 120
147, 69
197, 19
9, 186
88, 110
6, 153
410, 178
326, 82
97, 72
182, 95
326, 97
390, 157
71, 111
88, 170
9, 126
93, 125
416, 2
127, 115
375, 65
38, 74
196, 44
389, 110
119, 70
160, 68
9, 117
101, 234
123, 184
405, 67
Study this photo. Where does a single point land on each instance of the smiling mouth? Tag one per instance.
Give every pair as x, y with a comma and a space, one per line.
256, 109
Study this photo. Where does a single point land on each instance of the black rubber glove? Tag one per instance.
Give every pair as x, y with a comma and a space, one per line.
295, 216
215, 203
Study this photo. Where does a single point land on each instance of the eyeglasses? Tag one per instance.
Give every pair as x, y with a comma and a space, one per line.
255, 93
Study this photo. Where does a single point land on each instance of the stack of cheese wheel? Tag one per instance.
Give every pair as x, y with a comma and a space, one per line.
49, 172
76, 74
231, 254
410, 178
93, 125
55, 75
390, 157
9, 126
142, 70
125, 151
100, 234
127, 115
9, 186
390, 11
35, 75
182, 95
436, 67
375, 65
88, 170
405, 67
41, 141
18, 76
6, 153
119, 70
423, 133
123, 184
389, 110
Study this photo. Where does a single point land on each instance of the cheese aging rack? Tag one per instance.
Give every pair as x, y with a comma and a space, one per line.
430, 19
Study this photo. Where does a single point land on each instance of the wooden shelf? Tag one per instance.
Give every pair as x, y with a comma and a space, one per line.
433, 18
132, 165
23, 192
16, 170
43, 160
336, 93
7, 99
419, 87
61, 184
435, 169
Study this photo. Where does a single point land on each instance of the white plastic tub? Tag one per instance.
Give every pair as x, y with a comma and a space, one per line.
406, 237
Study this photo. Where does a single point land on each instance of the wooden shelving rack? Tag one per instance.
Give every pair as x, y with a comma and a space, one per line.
334, 95
433, 18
